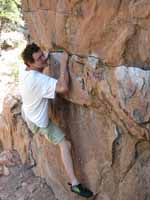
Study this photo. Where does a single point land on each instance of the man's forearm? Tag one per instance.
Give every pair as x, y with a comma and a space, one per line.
62, 84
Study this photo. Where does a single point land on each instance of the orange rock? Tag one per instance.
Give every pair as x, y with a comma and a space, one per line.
109, 29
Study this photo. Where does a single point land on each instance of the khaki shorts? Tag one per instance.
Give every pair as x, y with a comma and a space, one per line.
52, 131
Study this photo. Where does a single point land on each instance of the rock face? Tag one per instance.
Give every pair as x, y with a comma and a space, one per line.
109, 131
116, 31
106, 113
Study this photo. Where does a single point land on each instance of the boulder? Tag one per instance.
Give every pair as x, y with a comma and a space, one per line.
106, 112
105, 116
113, 30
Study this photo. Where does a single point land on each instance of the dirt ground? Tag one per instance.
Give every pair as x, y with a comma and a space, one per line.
22, 184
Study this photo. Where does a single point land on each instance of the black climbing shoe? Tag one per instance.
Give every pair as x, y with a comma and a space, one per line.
81, 190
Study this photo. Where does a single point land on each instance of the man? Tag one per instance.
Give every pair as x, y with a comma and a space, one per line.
36, 89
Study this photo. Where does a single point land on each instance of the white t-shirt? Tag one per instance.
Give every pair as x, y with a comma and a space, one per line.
36, 88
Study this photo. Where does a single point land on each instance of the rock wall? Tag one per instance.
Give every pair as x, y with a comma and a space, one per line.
116, 31
106, 113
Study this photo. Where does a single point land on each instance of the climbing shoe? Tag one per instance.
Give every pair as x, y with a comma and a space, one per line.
81, 190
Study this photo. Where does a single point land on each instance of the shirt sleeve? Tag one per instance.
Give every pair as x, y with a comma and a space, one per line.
47, 86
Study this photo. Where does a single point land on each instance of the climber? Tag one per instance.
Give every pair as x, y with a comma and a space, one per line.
36, 89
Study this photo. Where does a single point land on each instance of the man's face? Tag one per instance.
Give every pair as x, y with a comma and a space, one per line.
40, 62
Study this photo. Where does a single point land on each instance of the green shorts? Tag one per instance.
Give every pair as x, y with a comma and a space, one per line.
52, 131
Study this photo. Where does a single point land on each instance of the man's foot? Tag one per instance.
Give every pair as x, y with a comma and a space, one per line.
81, 190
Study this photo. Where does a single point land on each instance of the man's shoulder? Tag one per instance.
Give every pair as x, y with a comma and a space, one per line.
39, 79
43, 76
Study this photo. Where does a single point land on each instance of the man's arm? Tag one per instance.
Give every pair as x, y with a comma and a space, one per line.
62, 83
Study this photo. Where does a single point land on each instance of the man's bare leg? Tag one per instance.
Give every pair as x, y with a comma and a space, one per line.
65, 148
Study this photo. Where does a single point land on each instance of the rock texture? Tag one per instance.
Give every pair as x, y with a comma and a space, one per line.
106, 113
116, 31
108, 127
22, 184
8, 158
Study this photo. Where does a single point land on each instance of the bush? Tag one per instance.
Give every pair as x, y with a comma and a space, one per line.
10, 15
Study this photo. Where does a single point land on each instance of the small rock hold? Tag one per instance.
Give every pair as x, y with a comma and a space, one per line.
24, 184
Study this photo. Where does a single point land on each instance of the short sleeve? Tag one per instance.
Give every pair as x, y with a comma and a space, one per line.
46, 85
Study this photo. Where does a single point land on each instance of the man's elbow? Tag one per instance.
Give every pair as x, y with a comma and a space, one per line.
62, 89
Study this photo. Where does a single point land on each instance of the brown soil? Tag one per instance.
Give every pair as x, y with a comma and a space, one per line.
22, 184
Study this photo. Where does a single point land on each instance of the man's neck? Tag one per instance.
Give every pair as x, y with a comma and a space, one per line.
35, 69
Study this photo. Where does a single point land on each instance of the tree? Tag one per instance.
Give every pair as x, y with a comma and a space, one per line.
10, 15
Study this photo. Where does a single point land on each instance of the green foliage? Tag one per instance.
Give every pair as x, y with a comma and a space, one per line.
10, 15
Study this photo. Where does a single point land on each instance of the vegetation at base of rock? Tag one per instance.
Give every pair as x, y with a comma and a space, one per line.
10, 17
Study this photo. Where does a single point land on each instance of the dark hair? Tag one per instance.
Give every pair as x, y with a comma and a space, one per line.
28, 52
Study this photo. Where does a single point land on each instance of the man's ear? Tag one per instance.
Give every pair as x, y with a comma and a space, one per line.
28, 64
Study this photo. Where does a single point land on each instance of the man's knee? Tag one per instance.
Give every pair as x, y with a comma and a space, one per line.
69, 144
65, 143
